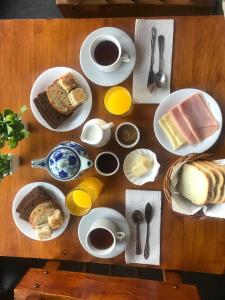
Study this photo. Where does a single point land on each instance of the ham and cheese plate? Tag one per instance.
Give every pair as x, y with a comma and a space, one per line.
188, 121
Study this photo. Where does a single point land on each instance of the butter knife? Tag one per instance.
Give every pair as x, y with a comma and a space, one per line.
151, 74
148, 216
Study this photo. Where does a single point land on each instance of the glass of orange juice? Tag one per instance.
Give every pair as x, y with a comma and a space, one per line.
80, 200
118, 101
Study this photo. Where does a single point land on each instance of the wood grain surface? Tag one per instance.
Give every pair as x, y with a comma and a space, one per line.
29, 47
56, 285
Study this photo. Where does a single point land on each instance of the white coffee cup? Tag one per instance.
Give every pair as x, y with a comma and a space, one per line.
121, 58
118, 139
108, 225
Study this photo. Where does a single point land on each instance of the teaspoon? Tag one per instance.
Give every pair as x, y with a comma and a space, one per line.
160, 76
137, 219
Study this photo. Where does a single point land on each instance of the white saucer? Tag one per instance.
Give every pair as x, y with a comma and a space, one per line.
172, 100
40, 85
108, 213
108, 78
59, 198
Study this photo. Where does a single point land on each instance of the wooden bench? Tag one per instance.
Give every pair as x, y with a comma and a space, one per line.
134, 8
49, 283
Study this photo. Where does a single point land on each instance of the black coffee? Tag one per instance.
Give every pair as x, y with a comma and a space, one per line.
127, 134
101, 238
106, 53
107, 163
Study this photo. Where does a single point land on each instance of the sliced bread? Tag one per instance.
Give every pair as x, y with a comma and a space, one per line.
194, 184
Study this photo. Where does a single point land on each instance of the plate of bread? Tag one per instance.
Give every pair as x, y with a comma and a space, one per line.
39, 211
61, 99
188, 121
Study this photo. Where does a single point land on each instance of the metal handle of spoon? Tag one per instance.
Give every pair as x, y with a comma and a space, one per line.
147, 249
138, 243
161, 41
153, 39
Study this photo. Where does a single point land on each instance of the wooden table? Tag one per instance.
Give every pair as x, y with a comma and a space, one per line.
29, 47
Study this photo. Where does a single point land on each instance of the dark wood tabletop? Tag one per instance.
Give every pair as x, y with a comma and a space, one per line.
27, 48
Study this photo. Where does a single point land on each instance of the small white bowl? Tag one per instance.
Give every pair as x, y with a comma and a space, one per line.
107, 174
129, 162
125, 145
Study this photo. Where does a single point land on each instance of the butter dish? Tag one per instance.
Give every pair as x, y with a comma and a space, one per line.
141, 166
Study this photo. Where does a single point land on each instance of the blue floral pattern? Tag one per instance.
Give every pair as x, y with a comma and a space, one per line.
79, 148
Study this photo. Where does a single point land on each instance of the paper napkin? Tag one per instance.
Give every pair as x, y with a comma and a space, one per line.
136, 199
143, 47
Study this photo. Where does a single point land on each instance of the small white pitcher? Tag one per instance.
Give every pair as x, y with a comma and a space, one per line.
96, 132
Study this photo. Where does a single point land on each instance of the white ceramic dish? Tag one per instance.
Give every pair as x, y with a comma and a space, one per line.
107, 78
175, 98
129, 162
106, 213
79, 115
59, 198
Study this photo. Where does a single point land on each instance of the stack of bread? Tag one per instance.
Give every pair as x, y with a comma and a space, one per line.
41, 211
202, 182
61, 98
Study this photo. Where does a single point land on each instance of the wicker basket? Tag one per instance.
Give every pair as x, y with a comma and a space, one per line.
187, 158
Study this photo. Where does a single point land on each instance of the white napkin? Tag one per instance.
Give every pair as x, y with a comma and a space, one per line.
137, 200
143, 46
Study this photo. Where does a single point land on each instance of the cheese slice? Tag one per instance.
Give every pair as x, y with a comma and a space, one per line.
142, 165
171, 131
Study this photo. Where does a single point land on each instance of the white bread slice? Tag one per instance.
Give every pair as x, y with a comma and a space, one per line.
213, 179
220, 170
194, 184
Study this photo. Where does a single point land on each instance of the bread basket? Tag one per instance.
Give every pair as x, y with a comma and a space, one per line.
186, 158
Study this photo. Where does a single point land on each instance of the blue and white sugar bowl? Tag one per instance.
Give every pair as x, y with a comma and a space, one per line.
64, 162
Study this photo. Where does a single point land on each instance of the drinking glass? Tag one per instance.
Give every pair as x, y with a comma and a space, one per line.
80, 200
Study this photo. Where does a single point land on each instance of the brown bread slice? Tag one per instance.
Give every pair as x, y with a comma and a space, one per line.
47, 111
213, 179
30, 201
67, 82
220, 170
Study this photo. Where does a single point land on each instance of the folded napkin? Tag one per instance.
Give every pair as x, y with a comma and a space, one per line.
137, 200
143, 46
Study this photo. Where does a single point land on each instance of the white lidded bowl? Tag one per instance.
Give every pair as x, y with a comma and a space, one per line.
129, 163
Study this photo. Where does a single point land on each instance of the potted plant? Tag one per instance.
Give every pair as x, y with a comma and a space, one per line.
8, 164
12, 129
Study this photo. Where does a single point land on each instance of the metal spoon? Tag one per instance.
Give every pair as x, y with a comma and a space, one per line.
148, 215
160, 76
137, 219
151, 74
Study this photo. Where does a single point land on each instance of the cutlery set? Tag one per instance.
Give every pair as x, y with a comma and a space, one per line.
158, 79
138, 219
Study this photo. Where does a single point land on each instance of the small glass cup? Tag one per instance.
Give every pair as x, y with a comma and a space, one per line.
118, 101
80, 200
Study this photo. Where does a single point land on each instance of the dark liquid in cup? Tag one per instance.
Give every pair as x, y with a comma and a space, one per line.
127, 134
101, 238
107, 163
106, 53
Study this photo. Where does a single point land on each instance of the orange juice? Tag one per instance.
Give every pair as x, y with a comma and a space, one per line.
80, 200
118, 101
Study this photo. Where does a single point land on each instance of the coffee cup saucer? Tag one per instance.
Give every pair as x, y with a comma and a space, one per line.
106, 213
108, 78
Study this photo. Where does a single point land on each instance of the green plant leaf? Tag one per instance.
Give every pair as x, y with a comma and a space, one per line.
8, 112
24, 133
9, 129
12, 143
23, 109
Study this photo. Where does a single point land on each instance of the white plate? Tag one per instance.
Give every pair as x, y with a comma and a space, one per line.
57, 195
129, 163
175, 98
79, 115
108, 78
108, 213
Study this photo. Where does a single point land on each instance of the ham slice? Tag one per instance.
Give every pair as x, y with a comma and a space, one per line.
198, 117
183, 126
